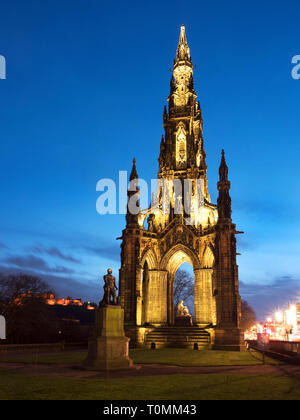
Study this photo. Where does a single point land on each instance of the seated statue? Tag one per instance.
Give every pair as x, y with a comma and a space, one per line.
182, 310
183, 317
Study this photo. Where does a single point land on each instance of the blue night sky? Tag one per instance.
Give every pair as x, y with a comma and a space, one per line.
85, 89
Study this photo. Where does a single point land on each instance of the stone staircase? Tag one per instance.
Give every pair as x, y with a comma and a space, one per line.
183, 337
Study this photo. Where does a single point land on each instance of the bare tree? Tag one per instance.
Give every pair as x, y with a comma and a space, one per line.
12, 286
248, 316
32, 320
183, 287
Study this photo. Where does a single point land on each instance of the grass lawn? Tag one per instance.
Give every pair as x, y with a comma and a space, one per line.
178, 357
186, 357
172, 387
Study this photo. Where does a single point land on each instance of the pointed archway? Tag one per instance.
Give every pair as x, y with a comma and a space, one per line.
184, 288
204, 301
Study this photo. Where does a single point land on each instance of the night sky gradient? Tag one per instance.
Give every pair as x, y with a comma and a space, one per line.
85, 90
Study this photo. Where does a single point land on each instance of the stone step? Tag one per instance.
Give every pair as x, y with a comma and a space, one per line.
199, 337
196, 336
179, 340
182, 331
178, 337
200, 333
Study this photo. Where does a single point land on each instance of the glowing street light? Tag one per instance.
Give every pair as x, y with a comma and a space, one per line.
279, 317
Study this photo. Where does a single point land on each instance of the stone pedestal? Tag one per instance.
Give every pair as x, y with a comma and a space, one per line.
108, 348
184, 321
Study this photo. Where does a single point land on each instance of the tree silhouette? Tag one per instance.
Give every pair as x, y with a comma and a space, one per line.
28, 318
183, 287
248, 316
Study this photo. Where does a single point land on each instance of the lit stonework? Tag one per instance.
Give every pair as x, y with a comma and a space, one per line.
204, 236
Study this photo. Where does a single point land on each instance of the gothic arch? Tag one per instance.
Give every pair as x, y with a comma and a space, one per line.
177, 255
150, 257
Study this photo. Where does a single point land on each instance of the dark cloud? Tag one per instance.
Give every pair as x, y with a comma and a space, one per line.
111, 252
93, 244
265, 299
54, 252
2, 246
245, 244
35, 263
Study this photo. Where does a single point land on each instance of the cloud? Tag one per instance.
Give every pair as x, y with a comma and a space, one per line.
2, 246
77, 240
111, 252
245, 244
35, 263
54, 252
267, 298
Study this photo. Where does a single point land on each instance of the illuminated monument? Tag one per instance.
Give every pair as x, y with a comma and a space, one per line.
205, 237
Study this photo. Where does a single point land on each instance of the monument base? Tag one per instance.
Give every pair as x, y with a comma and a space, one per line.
184, 321
108, 353
231, 339
108, 348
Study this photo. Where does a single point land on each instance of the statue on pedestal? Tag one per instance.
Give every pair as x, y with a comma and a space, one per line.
183, 317
182, 310
110, 287
108, 346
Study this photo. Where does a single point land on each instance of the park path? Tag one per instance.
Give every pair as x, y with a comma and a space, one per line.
69, 371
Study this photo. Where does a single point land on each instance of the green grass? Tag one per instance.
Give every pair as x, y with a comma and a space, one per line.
185, 357
172, 387
178, 357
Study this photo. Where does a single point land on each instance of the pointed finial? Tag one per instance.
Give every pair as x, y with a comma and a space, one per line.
182, 38
223, 171
134, 174
224, 200
183, 51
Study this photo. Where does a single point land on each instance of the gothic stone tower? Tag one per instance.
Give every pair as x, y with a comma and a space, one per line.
204, 236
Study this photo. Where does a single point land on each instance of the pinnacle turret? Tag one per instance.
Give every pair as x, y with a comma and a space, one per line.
134, 174
183, 51
133, 205
224, 199
223, 170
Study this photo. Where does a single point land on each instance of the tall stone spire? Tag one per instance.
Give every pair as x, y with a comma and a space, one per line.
182, 153
224, 199
182, 82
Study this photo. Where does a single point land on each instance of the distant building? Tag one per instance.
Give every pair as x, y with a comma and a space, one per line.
50, 299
